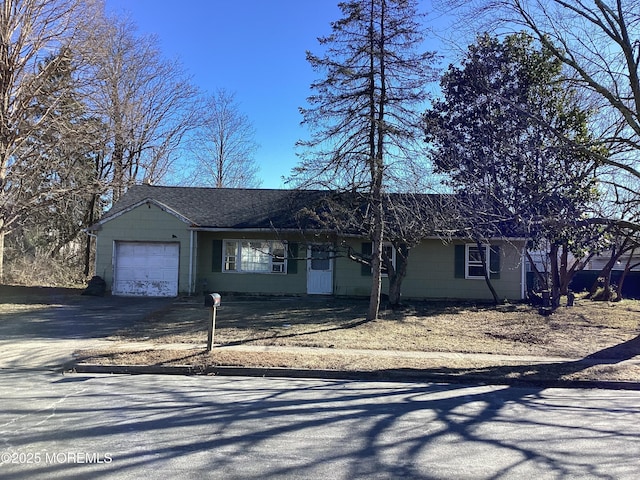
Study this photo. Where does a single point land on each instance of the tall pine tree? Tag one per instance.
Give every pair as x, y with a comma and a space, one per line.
364, 113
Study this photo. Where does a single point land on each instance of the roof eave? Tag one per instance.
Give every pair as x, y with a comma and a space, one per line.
199, 228
147, 201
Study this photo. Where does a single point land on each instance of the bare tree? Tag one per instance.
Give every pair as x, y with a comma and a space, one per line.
224, 145
37, 38
364, 113
146, 104
631, 263
410, 218
598, 42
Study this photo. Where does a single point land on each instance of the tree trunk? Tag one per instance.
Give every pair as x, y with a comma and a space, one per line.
605, 274
555, 276
118, 186
1, 256
376, 267
397, 275
627, 268
485, 269
563, 271
606, 286
87, 250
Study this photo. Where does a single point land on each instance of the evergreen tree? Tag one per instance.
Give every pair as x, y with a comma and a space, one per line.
514, 143
364, 112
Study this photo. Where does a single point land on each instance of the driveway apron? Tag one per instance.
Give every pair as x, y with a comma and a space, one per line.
45, 337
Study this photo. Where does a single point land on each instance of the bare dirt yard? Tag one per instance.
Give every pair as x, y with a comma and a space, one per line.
600, 340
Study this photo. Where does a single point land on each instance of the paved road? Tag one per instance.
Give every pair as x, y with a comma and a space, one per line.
130, 427
151, 426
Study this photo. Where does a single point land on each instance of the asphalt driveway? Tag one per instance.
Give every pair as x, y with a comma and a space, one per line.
50, 324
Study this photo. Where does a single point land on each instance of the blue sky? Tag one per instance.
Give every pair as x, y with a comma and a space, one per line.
255, 48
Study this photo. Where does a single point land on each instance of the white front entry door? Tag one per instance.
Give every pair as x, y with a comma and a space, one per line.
319, 270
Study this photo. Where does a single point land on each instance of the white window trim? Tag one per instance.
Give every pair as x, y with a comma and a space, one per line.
238, 260
468, 264
393, 257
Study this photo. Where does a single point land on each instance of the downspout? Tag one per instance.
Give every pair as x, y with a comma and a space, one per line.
523, 279
191, 240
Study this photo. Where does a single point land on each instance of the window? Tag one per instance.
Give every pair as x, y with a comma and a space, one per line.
389, 250
278, 257
474, 268
468, 262
390, 253
230, 256
473, 261
320, 258
255, 256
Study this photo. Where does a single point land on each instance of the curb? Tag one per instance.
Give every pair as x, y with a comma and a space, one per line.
378, 375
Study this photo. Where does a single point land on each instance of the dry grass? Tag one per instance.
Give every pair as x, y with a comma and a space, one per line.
431, 326
607, 334
470, 369
598, 330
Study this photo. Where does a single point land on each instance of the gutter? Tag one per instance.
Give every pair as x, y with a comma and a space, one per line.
196, 228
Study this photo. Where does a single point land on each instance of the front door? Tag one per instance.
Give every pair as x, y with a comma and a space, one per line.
319, 270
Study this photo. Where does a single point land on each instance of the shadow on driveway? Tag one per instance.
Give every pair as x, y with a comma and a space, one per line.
32, 313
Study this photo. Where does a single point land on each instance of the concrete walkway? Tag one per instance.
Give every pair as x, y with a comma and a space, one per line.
55, 354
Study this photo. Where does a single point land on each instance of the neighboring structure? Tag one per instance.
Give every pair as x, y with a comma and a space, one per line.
599, 261
591, 275
596, 263
165, 241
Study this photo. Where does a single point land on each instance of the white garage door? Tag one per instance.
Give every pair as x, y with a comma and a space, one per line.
146, 269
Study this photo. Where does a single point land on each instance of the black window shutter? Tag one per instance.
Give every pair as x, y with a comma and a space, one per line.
292, 258
365, 269
216, 255
459, 261
494, 262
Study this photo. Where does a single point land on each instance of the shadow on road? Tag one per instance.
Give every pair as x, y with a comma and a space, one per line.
237, 427
288, 428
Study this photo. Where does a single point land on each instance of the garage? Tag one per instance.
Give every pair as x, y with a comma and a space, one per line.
146, 269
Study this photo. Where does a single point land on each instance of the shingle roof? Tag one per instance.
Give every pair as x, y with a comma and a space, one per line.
226, 207
240, 208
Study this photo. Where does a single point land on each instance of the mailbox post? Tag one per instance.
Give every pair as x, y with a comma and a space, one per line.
212, 300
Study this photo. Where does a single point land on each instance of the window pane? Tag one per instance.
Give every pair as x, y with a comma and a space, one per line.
388, 252
474, 255
255, 256
277, 257
474, 262
476, 271
277, 251
230, 255
320, 259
